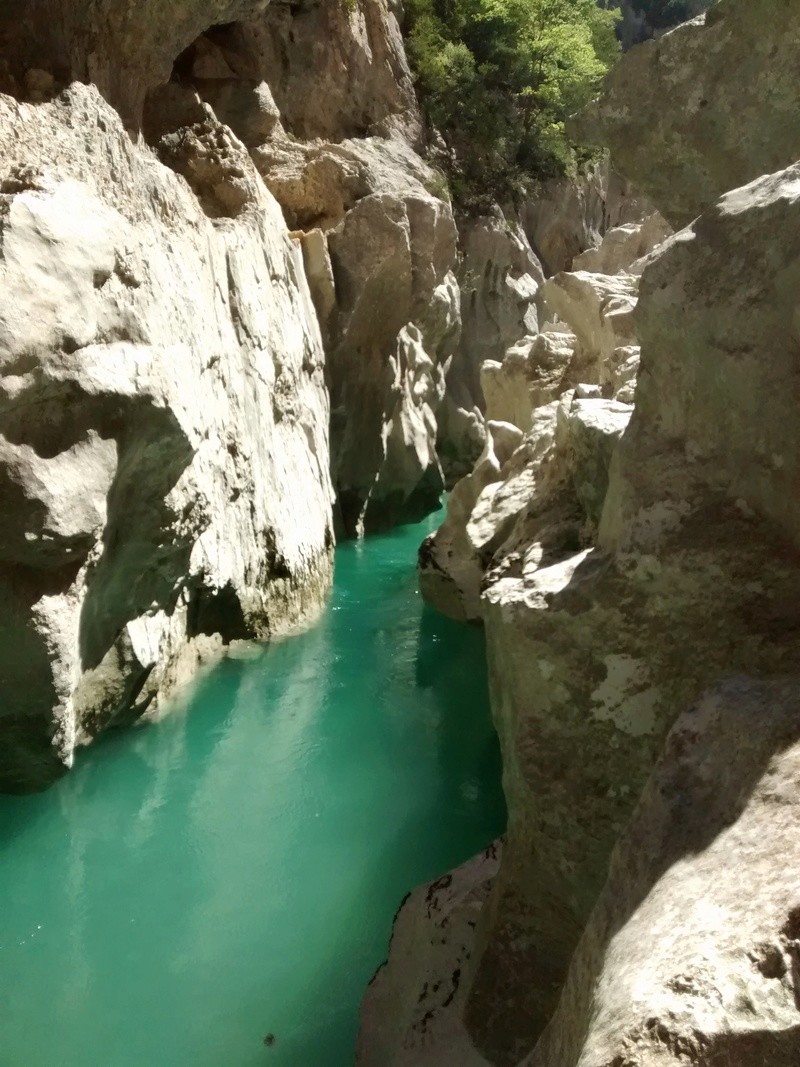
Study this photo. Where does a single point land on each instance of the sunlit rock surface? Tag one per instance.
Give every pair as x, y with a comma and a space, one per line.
691, 953
163, 399
615, 596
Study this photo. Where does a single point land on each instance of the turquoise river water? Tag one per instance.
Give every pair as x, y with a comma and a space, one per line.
195, 885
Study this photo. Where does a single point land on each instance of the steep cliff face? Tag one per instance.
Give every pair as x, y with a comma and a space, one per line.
174, 353
556, 403
677, 964
163, 418
616, 592
705, 108
322, 97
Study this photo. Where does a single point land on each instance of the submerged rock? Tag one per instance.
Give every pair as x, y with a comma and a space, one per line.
411, 1012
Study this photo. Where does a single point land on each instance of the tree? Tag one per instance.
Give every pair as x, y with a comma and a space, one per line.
498, 78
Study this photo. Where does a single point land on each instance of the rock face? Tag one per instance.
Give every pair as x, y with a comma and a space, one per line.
332, 129
125, 47
704, 109
163, 426
411, 1013
556, 404
499, 279
597, 652
166, 396
676, 965
711, 361
617, 583
567, 217
720, 985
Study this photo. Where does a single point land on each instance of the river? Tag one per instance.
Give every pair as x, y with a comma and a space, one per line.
232, 871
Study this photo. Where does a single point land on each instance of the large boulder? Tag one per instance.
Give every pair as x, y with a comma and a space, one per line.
411, 1012
533, 372
718, 393
623, 246
598, 308
705, 108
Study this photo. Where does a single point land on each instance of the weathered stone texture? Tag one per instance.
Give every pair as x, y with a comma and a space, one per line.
163, 420
705, 108
691, 954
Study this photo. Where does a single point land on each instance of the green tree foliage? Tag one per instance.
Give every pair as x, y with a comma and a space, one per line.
498, 78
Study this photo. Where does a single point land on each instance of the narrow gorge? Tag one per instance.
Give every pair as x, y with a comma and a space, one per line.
399, 541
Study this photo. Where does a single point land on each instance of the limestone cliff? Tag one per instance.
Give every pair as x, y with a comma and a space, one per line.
221, 251
617, 583
163, 422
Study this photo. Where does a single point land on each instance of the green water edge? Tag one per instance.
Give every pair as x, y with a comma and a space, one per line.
232, 872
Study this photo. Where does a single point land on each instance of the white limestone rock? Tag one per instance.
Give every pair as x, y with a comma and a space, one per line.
533, 372
568, 216
623, 246
598, 308
453, 560
163, 425
392, 246
717, 396
533, 389
597, 652
593, 652
333, 132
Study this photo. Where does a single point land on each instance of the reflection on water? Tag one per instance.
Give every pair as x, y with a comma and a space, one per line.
233, 872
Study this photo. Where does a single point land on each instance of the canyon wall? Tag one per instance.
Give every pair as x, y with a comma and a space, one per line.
163, 419
623, 558
221, 254
231, 333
